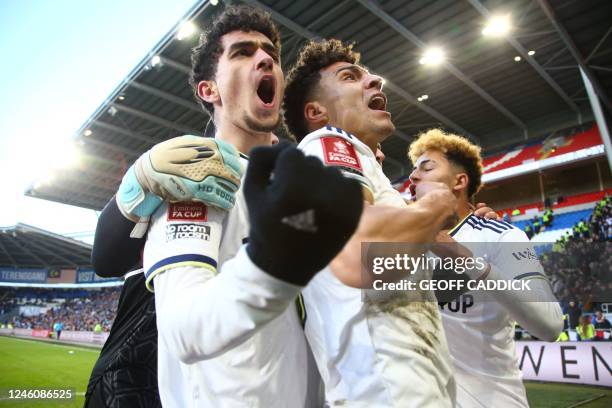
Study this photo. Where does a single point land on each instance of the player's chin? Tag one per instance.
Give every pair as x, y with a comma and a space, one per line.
384, 126
263, 121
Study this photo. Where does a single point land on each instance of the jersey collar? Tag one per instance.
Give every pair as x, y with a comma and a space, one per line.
457, 227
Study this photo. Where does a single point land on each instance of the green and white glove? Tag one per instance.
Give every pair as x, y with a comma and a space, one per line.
185, 168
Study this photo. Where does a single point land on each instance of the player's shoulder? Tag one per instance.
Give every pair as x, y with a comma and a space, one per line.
331, 137
493, 229
338, 148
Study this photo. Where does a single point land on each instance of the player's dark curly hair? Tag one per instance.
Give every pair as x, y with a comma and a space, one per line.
205, 56
305, 75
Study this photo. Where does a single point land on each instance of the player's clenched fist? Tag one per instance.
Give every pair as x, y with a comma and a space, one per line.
185, 168
301, 212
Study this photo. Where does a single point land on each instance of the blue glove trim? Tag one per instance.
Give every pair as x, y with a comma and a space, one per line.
133, 199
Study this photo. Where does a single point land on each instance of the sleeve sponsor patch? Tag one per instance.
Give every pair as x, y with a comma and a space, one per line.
187, 212
340, 152
187, 231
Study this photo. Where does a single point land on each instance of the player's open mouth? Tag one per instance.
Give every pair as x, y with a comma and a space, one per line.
266, 90
378, 102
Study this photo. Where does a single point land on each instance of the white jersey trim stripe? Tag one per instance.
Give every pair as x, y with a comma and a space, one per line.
178, 261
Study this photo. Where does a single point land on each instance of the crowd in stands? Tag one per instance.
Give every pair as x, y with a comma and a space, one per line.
538, 224
80, 310
580, 269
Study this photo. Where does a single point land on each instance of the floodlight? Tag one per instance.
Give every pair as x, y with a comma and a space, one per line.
186, 30
497, 26
156, 60
432, 56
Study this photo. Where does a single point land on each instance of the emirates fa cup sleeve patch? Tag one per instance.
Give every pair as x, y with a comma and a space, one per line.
340, 152
187, 231
187, 212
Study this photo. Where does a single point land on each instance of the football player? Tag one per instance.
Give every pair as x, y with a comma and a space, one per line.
228, 334
389, 353
480, 329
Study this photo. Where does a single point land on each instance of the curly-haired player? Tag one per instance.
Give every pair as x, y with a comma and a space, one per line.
480, 330
382, 354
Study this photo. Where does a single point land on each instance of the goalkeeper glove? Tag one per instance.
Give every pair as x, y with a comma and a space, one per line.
185, 168
301, 212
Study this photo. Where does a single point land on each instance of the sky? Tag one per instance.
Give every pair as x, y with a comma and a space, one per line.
60, 60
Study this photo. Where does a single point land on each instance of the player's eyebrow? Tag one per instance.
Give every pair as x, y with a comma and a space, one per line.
424, 162
266, 46
356, 69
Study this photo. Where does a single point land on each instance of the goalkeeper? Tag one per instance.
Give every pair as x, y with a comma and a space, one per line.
232, 338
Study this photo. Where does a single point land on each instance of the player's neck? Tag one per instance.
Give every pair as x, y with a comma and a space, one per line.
464, 207
243, 140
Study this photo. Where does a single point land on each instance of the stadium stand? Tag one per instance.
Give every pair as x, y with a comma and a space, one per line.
580, 264
77, 309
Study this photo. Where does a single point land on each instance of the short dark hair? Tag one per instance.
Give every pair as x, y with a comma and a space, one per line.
205, 56
305, 75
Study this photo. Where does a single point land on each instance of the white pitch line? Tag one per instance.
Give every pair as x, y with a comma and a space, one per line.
80, 348
581, 403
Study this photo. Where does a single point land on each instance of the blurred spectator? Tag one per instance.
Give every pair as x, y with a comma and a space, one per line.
574, 312
528, 231
585, 329
601, 322
537, 225
602, 327
547, 218
57, 328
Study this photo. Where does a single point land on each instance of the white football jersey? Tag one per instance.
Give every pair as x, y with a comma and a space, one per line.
244, 346
367, 357
480, 331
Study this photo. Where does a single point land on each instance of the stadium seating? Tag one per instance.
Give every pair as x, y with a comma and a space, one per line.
561, 221
78, 309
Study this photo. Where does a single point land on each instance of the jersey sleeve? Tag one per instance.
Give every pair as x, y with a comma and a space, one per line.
515, 255
536, 309
201, 313
200, 317
335, 149
183, 234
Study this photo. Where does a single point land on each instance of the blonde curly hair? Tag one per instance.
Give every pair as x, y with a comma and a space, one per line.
457, 150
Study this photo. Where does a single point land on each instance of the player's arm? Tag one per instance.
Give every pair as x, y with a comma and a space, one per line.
417, 224
202, 314
114, 253
536, 310
180, 169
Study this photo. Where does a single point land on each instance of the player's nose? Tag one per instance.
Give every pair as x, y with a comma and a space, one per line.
413, 177
373, 81
263, 60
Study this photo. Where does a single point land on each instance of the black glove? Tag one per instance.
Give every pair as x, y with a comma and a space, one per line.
301, 212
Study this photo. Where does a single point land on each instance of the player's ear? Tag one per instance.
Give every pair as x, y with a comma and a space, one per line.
461, 182
207, 90
316, 113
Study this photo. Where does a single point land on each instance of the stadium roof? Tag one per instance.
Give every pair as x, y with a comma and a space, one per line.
24, 246
479, 91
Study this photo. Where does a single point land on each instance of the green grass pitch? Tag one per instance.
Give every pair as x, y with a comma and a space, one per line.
35, 364
555, 395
